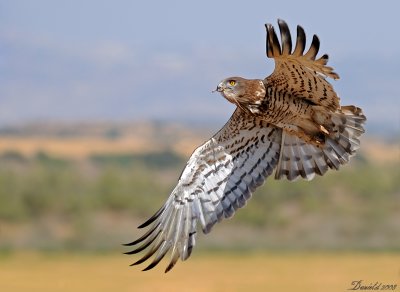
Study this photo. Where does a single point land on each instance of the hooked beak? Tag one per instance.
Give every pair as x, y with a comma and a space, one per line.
220, 88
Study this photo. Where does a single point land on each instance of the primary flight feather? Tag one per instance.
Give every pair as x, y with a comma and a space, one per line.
290, 122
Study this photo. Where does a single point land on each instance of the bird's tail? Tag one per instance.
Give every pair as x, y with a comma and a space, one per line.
301, 159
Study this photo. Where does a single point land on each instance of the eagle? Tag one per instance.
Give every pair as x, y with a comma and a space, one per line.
290, 123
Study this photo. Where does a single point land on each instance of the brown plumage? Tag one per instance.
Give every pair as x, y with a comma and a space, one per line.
296, 96
290, 122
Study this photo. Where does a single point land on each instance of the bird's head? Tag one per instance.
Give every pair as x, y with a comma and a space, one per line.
231, 88
240, 91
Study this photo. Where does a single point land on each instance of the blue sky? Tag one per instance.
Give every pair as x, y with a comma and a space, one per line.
134, 60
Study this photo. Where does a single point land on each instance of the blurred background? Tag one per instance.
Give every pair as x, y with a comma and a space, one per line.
102, 102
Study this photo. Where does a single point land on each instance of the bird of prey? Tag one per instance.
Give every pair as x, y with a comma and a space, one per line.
291, 122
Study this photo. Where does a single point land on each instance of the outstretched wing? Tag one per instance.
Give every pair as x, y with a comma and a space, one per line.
299, 74
219, 178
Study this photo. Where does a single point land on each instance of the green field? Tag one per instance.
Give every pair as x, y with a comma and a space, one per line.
95, 203
256, 271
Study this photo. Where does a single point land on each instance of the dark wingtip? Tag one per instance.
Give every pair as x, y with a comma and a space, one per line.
169, 267
141, 260
281, 21
300, 30
135, 263
135, 251
300, 41
144, 245
286, 38
316, 42
152, 218
148, 254
156, 260
149, 267
273, 47
146, 235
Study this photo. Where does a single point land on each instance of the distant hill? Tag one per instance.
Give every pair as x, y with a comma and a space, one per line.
82, 139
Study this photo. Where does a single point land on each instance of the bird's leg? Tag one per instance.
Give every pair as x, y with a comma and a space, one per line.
315, 137
323, 119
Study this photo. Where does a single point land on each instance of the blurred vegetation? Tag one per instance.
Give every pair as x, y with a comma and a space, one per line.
42, 185
49, 202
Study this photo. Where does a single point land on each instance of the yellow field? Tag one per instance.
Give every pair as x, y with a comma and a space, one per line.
142, 139
72, 147
82, 147
203, 272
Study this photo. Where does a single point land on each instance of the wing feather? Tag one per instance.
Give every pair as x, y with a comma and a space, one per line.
300, 42
313, 50
219, 178
300, 75
285, 37
299, 159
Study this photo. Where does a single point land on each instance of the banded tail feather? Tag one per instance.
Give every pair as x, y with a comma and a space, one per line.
300, 159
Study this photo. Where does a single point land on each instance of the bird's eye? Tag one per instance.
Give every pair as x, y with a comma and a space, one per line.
232, 82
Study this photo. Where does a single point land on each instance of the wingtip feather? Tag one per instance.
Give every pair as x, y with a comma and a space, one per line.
152, 218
